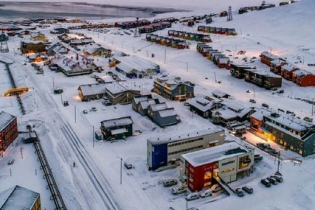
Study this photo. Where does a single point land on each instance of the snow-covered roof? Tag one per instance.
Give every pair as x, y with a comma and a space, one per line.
133, 62
226, 114
203, 103
277, 62
69, 64
5, 119
214, 154
171, 82
224, 60
167, 112
233, 105
137, 99
93, 89
269, 55
117, 122
18, 198
219, 93
118, 131
267, 74
158, 107
184, 135
146, 103
259, 114
289, 67
301, 73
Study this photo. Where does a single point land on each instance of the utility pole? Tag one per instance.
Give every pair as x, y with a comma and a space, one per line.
254, 93
278, 168
93, 135
21, 150
165, 56
230, 17
215, 77
121, 162
75, 113
61, 98
187, 66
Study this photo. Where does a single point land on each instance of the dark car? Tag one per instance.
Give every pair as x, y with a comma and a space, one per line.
272, 181
266, 182
58, 91
247, 189
265, 105
281, 110
128, 165
278, 178
239, 192
258, 158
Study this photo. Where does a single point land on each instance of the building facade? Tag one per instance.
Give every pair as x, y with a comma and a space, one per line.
119, 128
8, 130
227, 162
164, 151
174, 88
288, 131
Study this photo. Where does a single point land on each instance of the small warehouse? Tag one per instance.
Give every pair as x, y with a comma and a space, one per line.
118, 128
92, 91
121, 93
164, 151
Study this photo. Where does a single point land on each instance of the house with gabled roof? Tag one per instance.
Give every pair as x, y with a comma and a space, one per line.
303, 78
203, 105
162, 115
287, 71
118, 128
121, 93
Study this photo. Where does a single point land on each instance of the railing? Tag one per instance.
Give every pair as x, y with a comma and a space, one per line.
51, 183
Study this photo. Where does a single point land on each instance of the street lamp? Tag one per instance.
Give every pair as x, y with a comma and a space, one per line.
53, 79
121, 166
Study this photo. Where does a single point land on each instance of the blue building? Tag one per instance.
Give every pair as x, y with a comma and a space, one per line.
165, 151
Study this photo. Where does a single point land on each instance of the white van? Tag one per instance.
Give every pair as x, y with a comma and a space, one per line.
178, 190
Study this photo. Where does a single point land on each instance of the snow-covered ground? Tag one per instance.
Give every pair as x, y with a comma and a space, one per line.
282, 30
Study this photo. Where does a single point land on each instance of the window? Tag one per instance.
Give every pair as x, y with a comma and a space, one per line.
206, 184
244, 162
227, 170
208, 175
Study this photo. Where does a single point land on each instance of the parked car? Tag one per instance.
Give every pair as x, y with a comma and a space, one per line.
278, 178
93, 109
265, 105
169, 182
205, 193
11, 161
258, 158
58, 91
186, 104
272, 180
215, 188
65, 103
239, 192
308, 119
252, 101
85, 111
107, 103
266, 183
192, 196
247, 189
127, 165
179, 190
280, 91
281, 110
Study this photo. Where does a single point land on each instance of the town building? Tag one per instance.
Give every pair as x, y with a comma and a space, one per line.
18, 198
262, 78
286, 130
227, 162
121, 93
266, 58
33, 47
303, 78
59, 30
275, 66
38, 37
118, 128
95, 50
237, 71
134, 67
90, 92
8, 130
162, 115
55, 48
141, 103
220, 95
287, 71
164, 151
174, 88
72, 65
203, 105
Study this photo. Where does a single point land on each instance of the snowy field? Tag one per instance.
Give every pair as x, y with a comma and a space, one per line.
275, 30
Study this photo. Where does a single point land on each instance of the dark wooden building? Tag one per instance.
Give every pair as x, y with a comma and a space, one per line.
118, 128
8, 130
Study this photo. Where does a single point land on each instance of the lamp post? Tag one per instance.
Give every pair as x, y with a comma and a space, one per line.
121, 165
53, 80
93, 135
75, 114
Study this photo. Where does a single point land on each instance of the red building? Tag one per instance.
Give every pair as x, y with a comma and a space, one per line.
8, 130
225, 162
287, 71
275, 66
266, 58
303, 78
